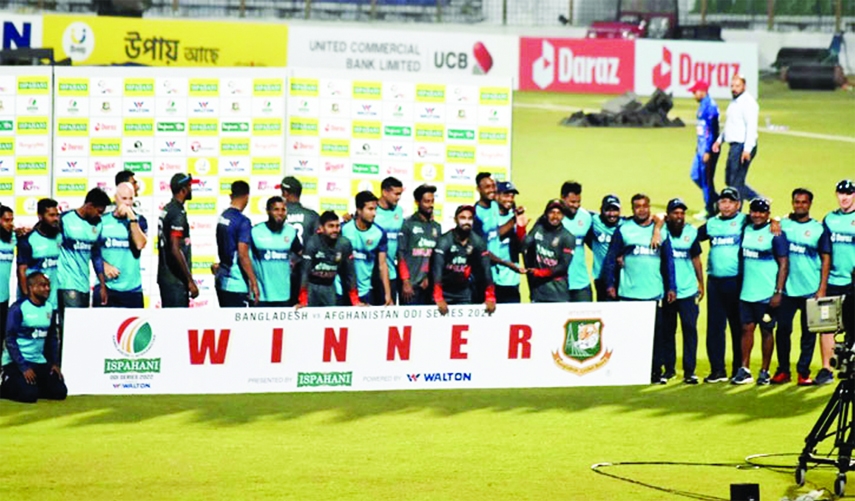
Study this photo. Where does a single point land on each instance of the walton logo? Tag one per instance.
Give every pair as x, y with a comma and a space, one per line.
662, 71
133, 339
583, 351
72, 167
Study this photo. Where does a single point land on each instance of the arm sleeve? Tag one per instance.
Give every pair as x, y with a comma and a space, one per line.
13, 332
348, 281
383, 245
590, 237
244, 236
403, 250
752, 115
97, 258
489, 286
52, 343
143, 224
695, 249
668, 272
714, 128
702, 233
174, 224
296, 245
610, 262
25, 251
780, 246
825, 240
438, 264
306, 263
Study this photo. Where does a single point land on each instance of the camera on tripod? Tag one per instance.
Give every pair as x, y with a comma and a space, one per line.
844, 358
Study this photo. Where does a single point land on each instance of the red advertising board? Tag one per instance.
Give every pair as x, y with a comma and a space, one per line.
577, 65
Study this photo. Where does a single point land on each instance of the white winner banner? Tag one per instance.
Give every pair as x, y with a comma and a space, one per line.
117, 351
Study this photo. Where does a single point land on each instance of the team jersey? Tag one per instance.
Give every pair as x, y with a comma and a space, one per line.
391, 221
233, 229
486, 225
685, 247
807, 241
578, 226
759, 250
725, 236
172, 224
457, 268
324, 264
841, 228
416, 243
75, 251
367, 246
304, 220
707, 125
548, 252
7, 258
272, 253
40, 253
507, 251
599, 238
30, 335
646, 272
116, 248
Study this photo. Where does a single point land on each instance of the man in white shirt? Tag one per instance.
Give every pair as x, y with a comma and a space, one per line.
740, 131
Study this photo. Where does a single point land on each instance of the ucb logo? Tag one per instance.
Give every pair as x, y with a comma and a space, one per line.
451, 60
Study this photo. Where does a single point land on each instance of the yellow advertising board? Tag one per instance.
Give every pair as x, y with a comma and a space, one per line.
90, 40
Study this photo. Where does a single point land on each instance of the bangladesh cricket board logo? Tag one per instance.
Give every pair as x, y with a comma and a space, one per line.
132, 340
583, 351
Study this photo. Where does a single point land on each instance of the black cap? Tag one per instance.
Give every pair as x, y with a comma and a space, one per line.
291, 184
610, 202
420, 191
507, 187
846, 186
461, 208
730, 193
555, 203
676, 203
759, 205
179, 181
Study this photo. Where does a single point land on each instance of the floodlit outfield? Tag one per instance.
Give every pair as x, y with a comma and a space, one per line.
490, 445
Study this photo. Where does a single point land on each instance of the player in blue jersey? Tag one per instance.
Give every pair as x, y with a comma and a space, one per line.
79, 230
123, 237
809, 262
8, 241
703, 166
647, 273
487, 227
31, 350
578, 222
764, 261
840, 225
38, 250
235, 279
599, 238
390, 219
507, 280
689, 276
370, 246
275, 248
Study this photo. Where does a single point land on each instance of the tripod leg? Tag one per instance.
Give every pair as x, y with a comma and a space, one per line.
829, 417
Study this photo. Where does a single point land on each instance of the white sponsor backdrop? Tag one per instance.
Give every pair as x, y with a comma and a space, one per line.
219, 125
20, 31
25, 139
116, 352
376, 51
346, 134
675, 66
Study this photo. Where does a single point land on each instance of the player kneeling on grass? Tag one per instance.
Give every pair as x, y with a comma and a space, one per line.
765, 266
548, 250
327, 255
31, 350
461, 263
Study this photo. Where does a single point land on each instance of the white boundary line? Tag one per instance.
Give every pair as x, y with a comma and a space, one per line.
811, 135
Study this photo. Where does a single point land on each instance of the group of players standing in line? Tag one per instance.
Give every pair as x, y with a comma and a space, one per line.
760, 271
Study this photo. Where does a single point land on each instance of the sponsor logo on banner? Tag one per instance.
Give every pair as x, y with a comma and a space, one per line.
235, 165
335, 188
73, 146
32, 126
576, 65
171, 166
7, 165
366, 149
397, 131
429, 172
138, 106
137, 146
675, 66
316, 379
32, 185
203, 146
202, 126
169, 127
31, 165
335, 147
304, 146
439, 377
335, 167
335, 108
6, 125
434, 133
174, 146
138, 167
398, 111
303, 126
234, 127
171, 107
298, 165
133, 340
431, 112
397, 150
266, 146
366, 109
460, 174
430, 152
272, 165
204, 107
399, 170
493, 155
366, 130
71, 187
334, 128
583, 350
71, 167
102, 128
78, 41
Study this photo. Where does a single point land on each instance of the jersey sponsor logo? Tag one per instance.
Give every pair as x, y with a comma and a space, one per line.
116, 243
716, 241
273, 255
839, 238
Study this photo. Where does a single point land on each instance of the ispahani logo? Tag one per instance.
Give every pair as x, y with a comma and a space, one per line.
583, 351
133, 339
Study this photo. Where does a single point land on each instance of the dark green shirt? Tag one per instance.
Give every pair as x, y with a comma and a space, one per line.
416, 242
548, 252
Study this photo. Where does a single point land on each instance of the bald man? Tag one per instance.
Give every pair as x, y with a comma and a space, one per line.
123, 237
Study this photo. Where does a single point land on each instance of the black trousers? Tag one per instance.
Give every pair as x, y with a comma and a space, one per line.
174, 295
231, 299
687, 310
723, 311
737, 171
15, 387
117, 299
507, 294
4, 314
420, 296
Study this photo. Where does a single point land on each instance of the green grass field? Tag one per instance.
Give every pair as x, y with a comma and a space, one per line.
489, 445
